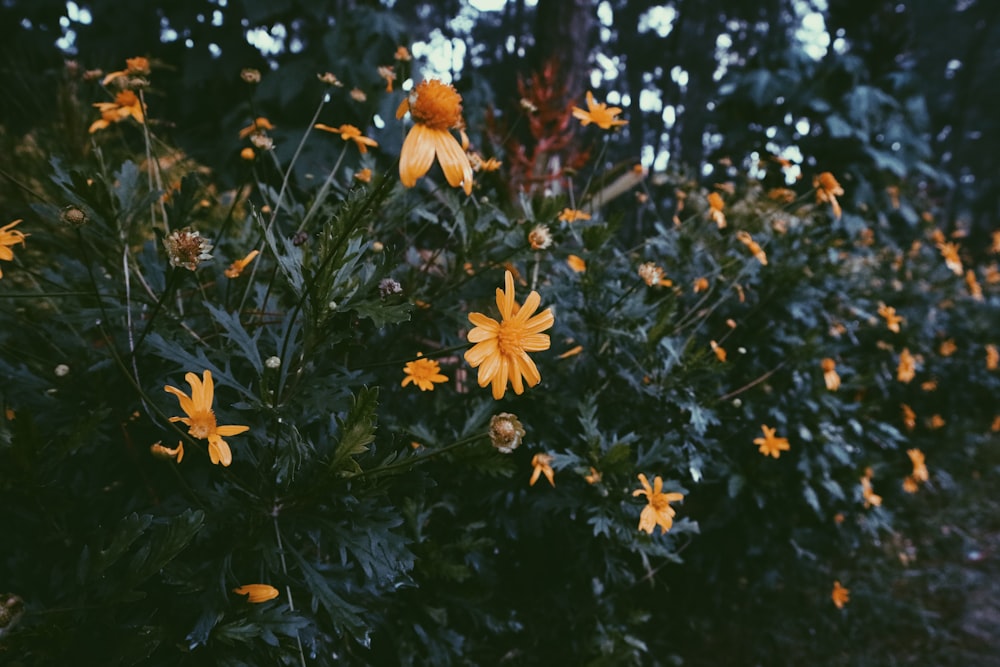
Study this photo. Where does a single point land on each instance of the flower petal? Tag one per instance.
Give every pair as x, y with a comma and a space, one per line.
416, 156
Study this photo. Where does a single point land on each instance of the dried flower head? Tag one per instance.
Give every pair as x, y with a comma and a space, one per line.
539, 237
388, 287
261, 141
250, 75
652, 275
187, 248
74, 215
506, 432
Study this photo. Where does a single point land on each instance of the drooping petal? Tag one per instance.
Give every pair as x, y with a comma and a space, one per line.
454, 161
417, 155
219, 452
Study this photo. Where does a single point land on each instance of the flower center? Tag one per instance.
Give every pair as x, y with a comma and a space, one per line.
509, 339
202, 425
436, 105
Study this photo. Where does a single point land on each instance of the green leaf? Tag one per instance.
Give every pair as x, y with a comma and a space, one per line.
356, 431
166, 545
238, 335
129, 530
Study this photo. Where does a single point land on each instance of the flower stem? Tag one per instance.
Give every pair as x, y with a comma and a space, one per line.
288, 587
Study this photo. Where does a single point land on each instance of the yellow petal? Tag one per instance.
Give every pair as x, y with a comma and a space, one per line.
416, 156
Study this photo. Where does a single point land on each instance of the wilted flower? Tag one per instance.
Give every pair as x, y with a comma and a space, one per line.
349, 133
501, 348
261, 141
479, 164
539, 237
250, 75
576, 263
542, 464
715, 207
161, 452
572, 215
127, 104
436, 109
770, 445
506, 432
138, 66
907, 366
200, 418
840, 595
236, 268
658, 511
827, 190
10, 237
358, 95
259, 124
600, 115
257, 592
187, 248
74, 215
423, 373
652, 275
830, 376
388, 287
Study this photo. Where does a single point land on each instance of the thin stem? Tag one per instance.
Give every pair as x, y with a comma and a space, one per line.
288, 587
420, 458
322, 191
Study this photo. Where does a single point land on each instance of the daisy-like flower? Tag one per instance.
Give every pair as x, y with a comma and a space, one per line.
133, 67
919, 465
10, 237
572, 215
236, 268
770, 445
349, 133
126, 104
652, 275
423, 373
576, 263
892, 320
658, 511
600, 114
501, 348
949, 251
542, 463
259, 124
187, 248
161, 452
715, 207
871, 498
907, 368
840, 595
436, 109
200, 418
752, 246
257, 593
827, 190
992, 357
830, 376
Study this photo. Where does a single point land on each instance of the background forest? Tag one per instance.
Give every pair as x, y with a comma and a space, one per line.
259, 403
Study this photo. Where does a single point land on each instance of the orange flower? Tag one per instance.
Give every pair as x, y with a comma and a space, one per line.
892, 320
501, 348
247, 154
715, 206
576, 263
827, 190
572, 215
436, 108
720, 352
992, 356
770, 445
594, 476
133, 67
10, 237
949, 251
752, 246
126, 104
840, 595
259, 124
403, 53
907, 366
871, 498
236, 268
909, 417
364, 175
349, 133
919, 465
161, 452
652, 275
995, 426
947, 347
542, 463
423, 373
936, 422
257, 593
600, 115
658, 511
201, 419
830, 376
388, 73
910, 485
975, 290
700, 285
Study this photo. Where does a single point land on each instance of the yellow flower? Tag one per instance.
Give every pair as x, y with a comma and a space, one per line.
403, 53
658, 511
161, 452
770, 445
576, 263
907, 366
871, 498
236, 268
594, 476
501, 348
992, 355
652, 275
919, 465
752, 246
827, 190
133, 67
349, 133
830, 376
892, 320
539, 237
700, 285
572, 215
936, 422
840, 595
247, 154
975, 290
949, 251
720, 352
542, 463
715, 206
10, 237
423, 373
258, 125
995, 426
126, 104
600, 115
436, 108
365, 175
947, 347
257, 592
479, 164
200, 419
910, 485
909, 417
